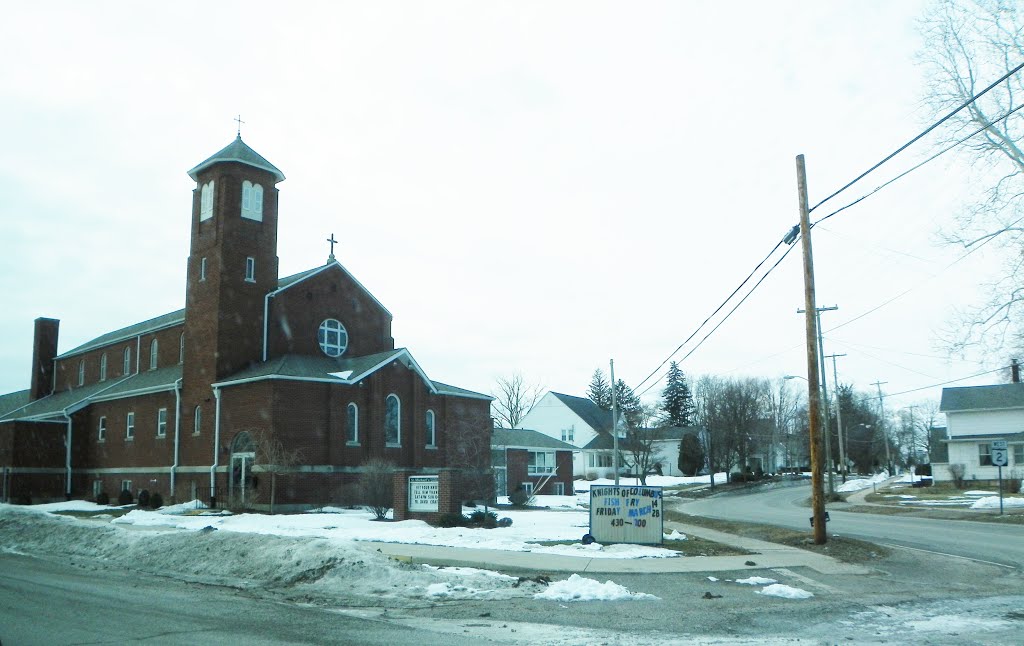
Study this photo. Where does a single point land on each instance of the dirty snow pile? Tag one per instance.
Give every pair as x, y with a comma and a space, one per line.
862, 483
992, 502
578, 588
772, 588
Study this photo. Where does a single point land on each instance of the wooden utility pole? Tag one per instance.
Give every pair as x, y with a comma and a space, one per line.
839, 414
813, 370
615, 425
881, 424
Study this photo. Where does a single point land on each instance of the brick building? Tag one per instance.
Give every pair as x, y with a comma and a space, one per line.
186, 403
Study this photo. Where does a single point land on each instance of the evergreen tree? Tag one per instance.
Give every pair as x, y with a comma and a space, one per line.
677, 400
630, 408
691, 455
600, 392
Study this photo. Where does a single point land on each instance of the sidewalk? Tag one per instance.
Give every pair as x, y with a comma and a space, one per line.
765, 555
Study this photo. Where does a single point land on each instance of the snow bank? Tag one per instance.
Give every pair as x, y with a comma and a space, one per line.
756, 580
862, 483
577, 588
992, 502
785, 591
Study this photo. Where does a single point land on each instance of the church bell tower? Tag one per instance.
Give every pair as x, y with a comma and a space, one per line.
232, 264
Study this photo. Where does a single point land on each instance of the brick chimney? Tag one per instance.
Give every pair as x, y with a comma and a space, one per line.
44, 350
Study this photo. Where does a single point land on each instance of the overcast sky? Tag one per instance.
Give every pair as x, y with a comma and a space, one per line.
531, 187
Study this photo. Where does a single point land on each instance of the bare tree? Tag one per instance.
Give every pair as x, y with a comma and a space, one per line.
514, 398
783, 405
968, 45
641, 447
469, 451
273, 457
376, 486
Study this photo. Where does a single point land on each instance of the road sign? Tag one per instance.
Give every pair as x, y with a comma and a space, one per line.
999, 444
1000, 457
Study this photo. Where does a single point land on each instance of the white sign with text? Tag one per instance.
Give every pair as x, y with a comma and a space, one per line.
423, 493
625, 514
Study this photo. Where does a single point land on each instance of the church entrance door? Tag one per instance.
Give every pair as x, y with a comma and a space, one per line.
243, 456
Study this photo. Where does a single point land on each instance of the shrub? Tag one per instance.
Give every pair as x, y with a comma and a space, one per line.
485, 519
452, 520
591, 476
156, 501
125, 497
520, 497
144, 498
376, 484
102, 498
957, 471
1014, 482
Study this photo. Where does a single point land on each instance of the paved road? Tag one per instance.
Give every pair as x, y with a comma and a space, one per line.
42, 602
1002, 544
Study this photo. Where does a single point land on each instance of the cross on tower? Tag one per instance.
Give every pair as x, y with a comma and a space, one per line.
240, 122
333, 242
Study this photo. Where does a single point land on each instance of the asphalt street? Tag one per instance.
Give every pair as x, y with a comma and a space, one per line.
786, 507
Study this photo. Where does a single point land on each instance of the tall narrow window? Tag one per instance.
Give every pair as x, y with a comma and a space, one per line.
129, 427
352, 432
153, 352
206, 201
81, 372
181, 348
250, 269
392, 421
252, 201
430, 430
103, 367
202, 269
101, 430
197, 421
127, 367
161, 423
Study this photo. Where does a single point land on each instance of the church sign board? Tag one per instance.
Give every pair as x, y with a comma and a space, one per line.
424, 493
626, 514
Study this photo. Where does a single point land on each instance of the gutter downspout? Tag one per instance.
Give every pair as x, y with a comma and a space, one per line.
266, 314
67, 459
177, 436
216, 451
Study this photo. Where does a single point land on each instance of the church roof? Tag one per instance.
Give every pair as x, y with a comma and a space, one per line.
238, 151
163, 321
12, 401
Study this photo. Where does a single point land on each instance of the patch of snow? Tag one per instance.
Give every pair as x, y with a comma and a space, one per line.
183, 507
577, 588
468, 571
711, 578
862, 483
979, 493
675, 535
785, 592
756, 580
617, 551
992, 502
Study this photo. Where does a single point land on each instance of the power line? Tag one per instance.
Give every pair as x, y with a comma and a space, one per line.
920, 136
917, 166
953, 381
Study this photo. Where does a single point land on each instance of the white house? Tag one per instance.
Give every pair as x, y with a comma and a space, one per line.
975, 416
586, 426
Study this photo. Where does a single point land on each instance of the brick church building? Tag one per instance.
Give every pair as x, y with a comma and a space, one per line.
183, 404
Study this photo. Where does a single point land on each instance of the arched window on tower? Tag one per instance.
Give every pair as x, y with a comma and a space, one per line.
181, 348
392, 421
197, 421
81, 372
103, 367
431, 431
127, 365
153, 352
206, 201
252, 201
352, 435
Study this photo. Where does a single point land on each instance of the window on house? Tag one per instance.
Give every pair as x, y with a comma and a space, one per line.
1018, 454
392, 421
431, 435
527, 487
197, 421
101, 430
129, 427
559, 488
252, 201
984, 455
161, 423
206, 201
541, 462
126, 485
352, 430
181, 348
250, 269
103, 367
333, 338
153, 352
202, 269
97, 488
568, 434
81, 372
127, 367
